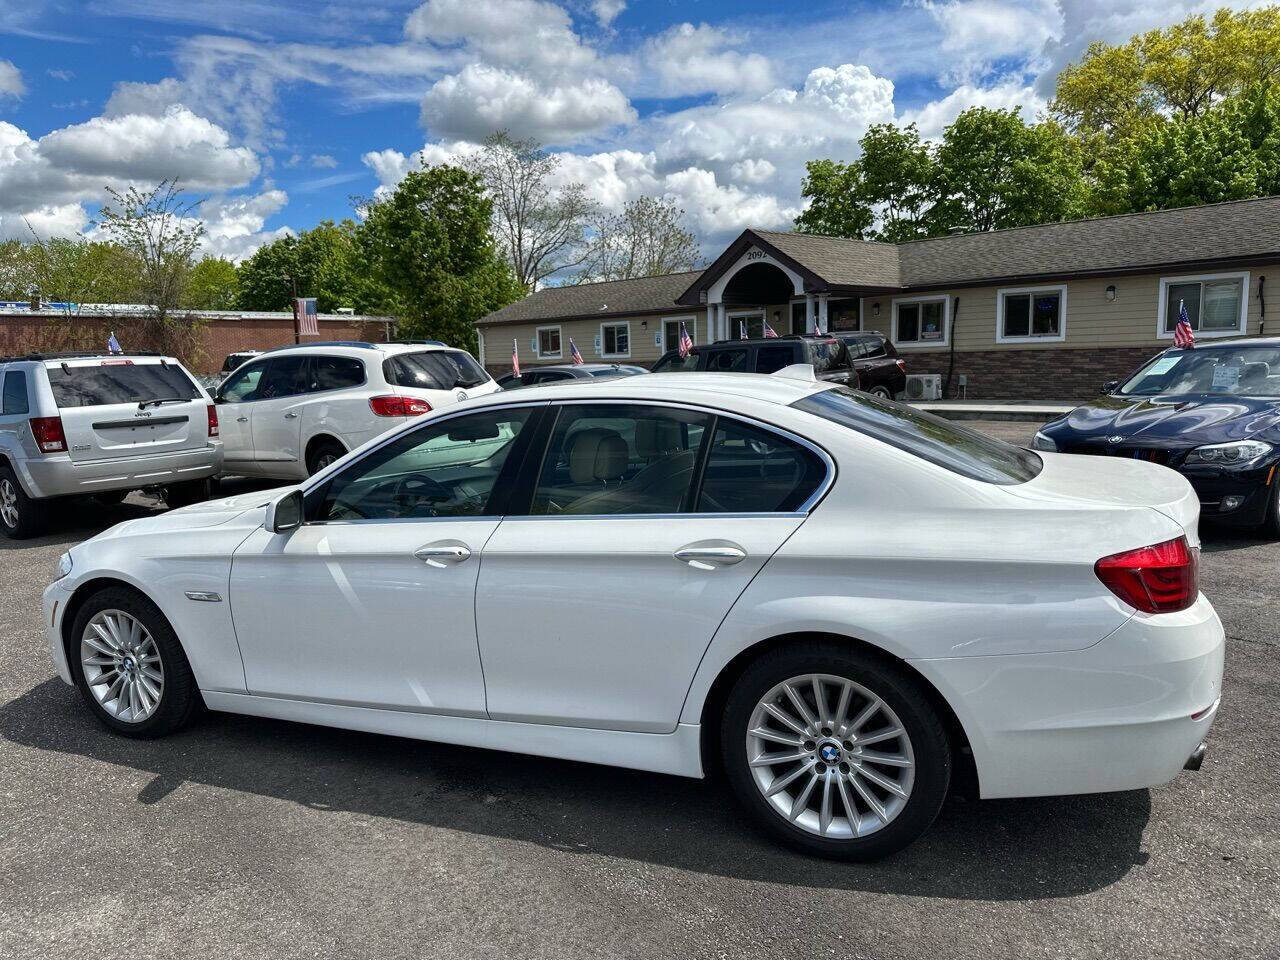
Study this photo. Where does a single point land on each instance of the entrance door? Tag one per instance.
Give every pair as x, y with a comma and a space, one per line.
380, 580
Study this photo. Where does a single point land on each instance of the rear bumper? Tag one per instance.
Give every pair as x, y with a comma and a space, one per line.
60, 476
1123, 714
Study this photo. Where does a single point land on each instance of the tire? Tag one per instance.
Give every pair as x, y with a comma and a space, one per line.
20, 515
188, 492
111, 497
923, 744
322, 454
884, 393
178, 698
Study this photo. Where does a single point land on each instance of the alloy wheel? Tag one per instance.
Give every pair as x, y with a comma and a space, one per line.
8, 503
122, 666
830, 756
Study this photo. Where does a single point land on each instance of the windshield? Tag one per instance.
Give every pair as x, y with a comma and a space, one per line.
1247, 370
435, 370
942, 442
116, 381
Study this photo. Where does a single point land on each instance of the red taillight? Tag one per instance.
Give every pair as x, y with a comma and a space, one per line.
48, 434
213, 420
398, 406
902, 365
1155, 579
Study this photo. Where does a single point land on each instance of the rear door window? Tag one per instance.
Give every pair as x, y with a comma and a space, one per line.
15, 394
285, 377
752, 470
115, 382
435, 370
771, 359
336, 373
722, 361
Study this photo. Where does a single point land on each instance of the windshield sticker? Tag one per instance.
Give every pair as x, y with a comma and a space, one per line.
1163, 365
1225, 378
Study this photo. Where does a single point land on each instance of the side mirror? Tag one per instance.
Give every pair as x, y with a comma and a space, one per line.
286, 513
1110, 385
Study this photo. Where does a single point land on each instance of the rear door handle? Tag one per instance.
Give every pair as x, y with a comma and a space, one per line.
709, 554
442, 553
242, 419
291, 416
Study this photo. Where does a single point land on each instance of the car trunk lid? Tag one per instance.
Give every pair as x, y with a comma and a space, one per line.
109, 411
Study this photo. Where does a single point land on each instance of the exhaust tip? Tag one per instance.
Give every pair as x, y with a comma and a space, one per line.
1196, 760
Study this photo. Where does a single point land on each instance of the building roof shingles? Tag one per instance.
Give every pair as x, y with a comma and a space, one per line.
642, 295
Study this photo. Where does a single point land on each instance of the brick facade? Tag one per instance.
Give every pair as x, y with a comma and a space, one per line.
1065, 374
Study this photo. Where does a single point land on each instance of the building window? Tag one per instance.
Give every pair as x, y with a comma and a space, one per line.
671, 332
548, 343
1031, 314
1217, 304
615, 339
754, 323
920, 321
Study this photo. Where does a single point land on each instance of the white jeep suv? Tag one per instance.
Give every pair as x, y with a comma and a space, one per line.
293, 411
100, 425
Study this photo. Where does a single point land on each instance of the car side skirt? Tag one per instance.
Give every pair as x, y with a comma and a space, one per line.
678, 753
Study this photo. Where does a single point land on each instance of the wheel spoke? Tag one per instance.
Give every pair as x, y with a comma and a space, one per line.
144, 682
105, 637
99, 661
772, 759
869, 799
842, 706
824, 811
867, 713
820, 698
879, 736
881, 781
801, 800
801, 707
783, 718
764, 733
885, 759
850, 808
780, 783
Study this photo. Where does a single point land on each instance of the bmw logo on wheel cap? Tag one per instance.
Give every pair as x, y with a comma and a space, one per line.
829, 752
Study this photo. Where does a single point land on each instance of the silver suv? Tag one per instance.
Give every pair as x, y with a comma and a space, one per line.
100, 425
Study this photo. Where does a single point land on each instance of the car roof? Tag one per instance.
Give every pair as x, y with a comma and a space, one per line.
362, 347
710, 388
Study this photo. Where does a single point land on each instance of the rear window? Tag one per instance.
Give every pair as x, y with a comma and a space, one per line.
114, 382
942, 442
435, 370
828, 355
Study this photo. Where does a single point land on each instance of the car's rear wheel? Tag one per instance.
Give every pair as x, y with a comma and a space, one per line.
20, 515
835, 752
882, 392
322, 454
129, 665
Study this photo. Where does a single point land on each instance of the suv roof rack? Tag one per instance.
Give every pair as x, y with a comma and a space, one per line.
76, 355
326, 343
416, 343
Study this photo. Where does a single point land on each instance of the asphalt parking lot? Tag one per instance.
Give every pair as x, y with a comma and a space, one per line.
245, 838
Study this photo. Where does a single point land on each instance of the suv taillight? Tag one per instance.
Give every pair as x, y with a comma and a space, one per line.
398, 406
213, 420
49, 435
1156, 579
902, 365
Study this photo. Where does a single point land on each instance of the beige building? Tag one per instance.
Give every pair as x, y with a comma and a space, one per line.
1046, 312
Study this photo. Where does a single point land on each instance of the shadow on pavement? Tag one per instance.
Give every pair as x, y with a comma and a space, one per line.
989, 850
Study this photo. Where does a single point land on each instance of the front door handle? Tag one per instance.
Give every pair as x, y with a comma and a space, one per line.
709, 554
442, 553
291, 416
242, 419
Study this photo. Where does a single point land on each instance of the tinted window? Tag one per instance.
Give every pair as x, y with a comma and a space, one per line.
674, 363
947, 444
242, 385
728, 360
1250, 371
435, 370
285, 377
619, 459
115, 382
828, 355
15, 394
771, 358
752, 470
445, 469
336, 373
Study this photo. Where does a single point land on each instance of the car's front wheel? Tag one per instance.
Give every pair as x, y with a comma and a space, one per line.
20, 515
129, 665
835, 752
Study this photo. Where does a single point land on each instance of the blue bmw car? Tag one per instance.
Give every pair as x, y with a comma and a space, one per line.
1211, 412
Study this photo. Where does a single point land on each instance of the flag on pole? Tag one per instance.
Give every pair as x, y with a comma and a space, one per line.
686, 341
769, 331
817, 324
113, 345
304, 312
1182, 334
742, 330
515, 357
574, 352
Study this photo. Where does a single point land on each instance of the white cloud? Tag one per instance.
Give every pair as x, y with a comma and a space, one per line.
688, 59
64, 220
63, 75
607, 11
323, 161
978, 33
933, 118
233, 224
148, 99
482, 99
532, 35
752, 170
11, 84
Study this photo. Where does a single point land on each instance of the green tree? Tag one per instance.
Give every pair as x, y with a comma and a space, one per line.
646, 239
835, 206
994, 171
211, 285
428, 241
1178, 72
68, 269
326, 262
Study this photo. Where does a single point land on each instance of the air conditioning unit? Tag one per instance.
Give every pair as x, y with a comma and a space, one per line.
924, 386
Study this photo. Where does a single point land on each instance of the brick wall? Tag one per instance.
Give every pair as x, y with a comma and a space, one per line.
217, 337
1063, 373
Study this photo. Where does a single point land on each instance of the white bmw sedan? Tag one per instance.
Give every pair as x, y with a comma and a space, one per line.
845, 603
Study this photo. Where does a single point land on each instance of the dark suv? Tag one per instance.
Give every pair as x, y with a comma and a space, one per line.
879, 368
828, 355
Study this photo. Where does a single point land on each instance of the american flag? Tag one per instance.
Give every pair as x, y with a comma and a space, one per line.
113, 345
769, 331
817, 324
686, 341
574, 352
1182, 334
304, 311
515, 357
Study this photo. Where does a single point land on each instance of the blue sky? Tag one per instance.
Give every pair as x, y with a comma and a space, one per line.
279, 112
